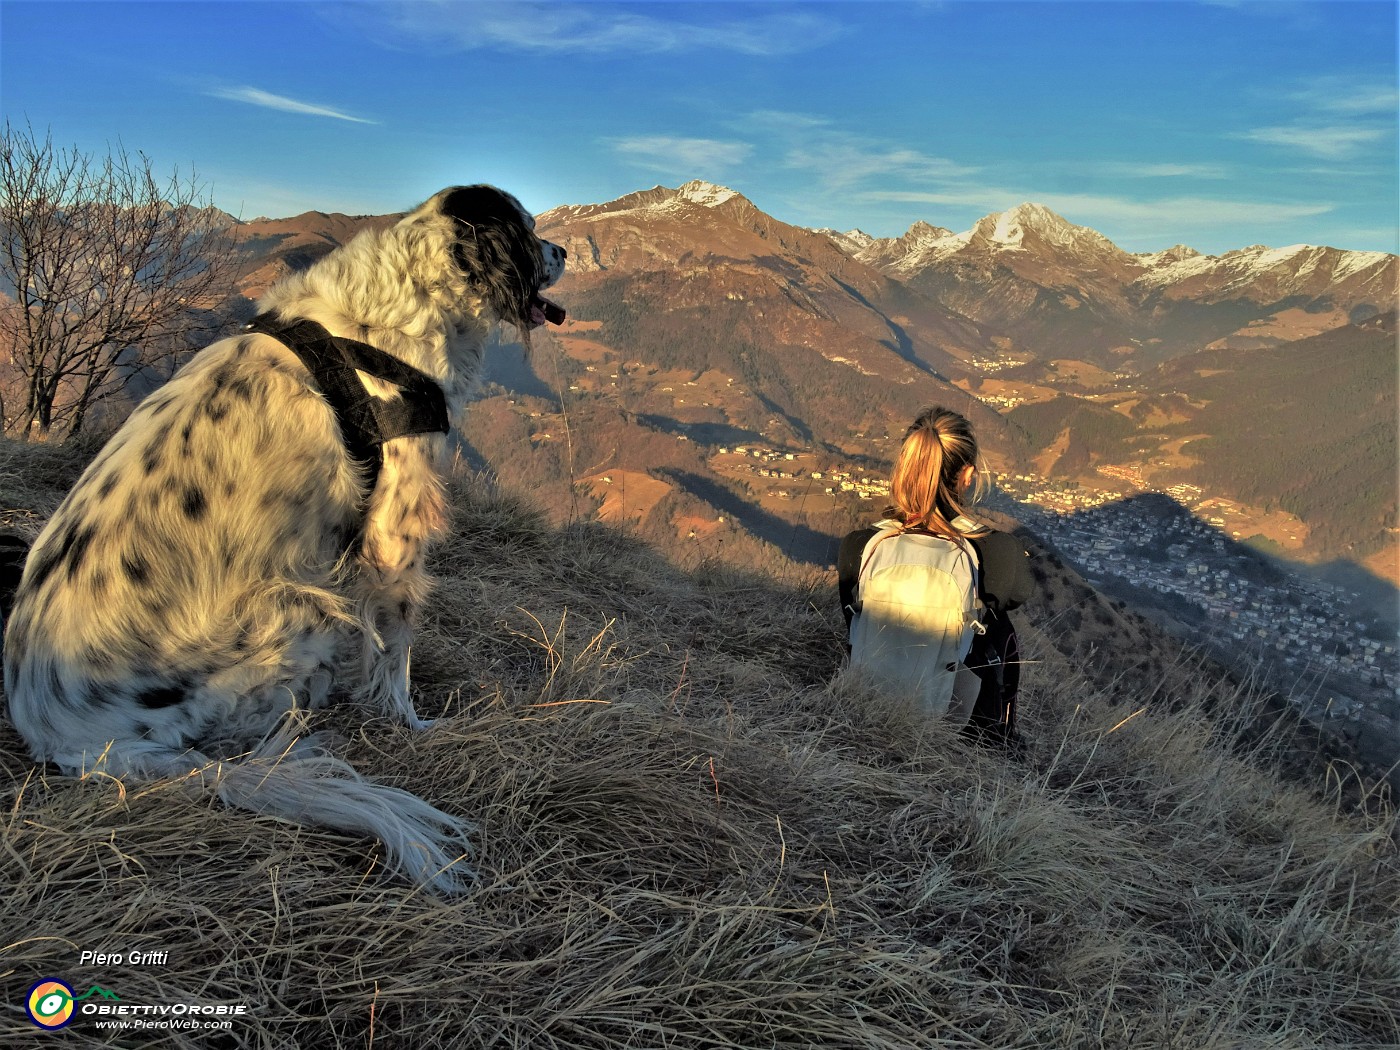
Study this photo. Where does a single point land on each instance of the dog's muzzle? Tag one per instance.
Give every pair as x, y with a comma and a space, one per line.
541, 309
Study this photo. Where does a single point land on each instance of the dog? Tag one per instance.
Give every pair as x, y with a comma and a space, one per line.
194, 592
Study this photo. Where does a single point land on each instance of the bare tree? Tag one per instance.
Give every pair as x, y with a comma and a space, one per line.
106, 273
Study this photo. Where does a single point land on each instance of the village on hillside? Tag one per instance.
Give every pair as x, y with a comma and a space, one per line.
1298, 628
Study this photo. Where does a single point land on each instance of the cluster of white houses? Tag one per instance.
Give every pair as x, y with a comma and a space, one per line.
774, 465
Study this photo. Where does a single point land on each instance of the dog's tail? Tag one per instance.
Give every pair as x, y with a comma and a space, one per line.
297, 779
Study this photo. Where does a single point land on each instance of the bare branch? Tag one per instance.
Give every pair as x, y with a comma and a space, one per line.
105, 270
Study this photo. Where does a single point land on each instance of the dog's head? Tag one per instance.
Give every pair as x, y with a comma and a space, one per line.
501, 256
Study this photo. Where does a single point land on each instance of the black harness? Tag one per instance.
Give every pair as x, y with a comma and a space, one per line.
366, 422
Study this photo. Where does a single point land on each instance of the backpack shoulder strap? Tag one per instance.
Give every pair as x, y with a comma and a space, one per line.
887, 533
848, 566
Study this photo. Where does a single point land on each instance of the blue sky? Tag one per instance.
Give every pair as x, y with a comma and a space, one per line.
1215, 124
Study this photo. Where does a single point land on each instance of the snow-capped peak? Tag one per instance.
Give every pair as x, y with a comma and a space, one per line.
1008, 229
922, 233
1175, 254
1296, 269
664, 199
851, 242
1355, 262
706, 193
1028, 230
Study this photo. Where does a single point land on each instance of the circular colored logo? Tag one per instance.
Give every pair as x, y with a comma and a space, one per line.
50, 1003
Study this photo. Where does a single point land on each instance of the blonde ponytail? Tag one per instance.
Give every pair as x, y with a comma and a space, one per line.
924, 490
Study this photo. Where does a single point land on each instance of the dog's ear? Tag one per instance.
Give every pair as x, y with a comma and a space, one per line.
497, 250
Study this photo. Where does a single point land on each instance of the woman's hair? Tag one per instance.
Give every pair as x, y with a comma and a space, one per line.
924, 494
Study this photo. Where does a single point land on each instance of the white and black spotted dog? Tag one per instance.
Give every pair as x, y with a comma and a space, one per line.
198, 582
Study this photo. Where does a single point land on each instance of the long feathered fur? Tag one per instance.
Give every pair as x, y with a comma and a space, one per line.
197, 586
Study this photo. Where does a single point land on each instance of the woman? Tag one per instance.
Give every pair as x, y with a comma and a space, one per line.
914, 587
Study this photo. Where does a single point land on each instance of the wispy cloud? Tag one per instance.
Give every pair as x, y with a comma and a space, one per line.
1298, 14
1349, 94
267, 100
840, 159
684, 158
600, 28
1336, 142
1335, 117
1165, 170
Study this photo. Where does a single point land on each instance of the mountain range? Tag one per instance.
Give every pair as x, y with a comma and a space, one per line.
1051, 286
700, 324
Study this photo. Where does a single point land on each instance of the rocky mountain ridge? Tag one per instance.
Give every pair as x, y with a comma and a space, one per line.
1033, 227
1032, 268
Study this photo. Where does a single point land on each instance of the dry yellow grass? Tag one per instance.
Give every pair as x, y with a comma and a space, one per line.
692, 838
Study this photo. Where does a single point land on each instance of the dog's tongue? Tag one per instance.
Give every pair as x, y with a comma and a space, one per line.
542, 310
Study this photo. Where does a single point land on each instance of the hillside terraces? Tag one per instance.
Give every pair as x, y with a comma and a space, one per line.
692, 837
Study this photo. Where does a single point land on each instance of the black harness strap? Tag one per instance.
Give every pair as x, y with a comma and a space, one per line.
366, 422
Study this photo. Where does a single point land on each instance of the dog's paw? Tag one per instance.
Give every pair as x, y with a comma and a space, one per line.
396, 704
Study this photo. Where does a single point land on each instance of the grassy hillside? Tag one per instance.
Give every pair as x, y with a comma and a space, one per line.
1089, 431
691, 836
1330, 459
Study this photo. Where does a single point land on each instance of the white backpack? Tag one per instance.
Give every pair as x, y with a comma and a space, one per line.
916, 613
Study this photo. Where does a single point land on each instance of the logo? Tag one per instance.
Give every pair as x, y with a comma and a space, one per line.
50, 1002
